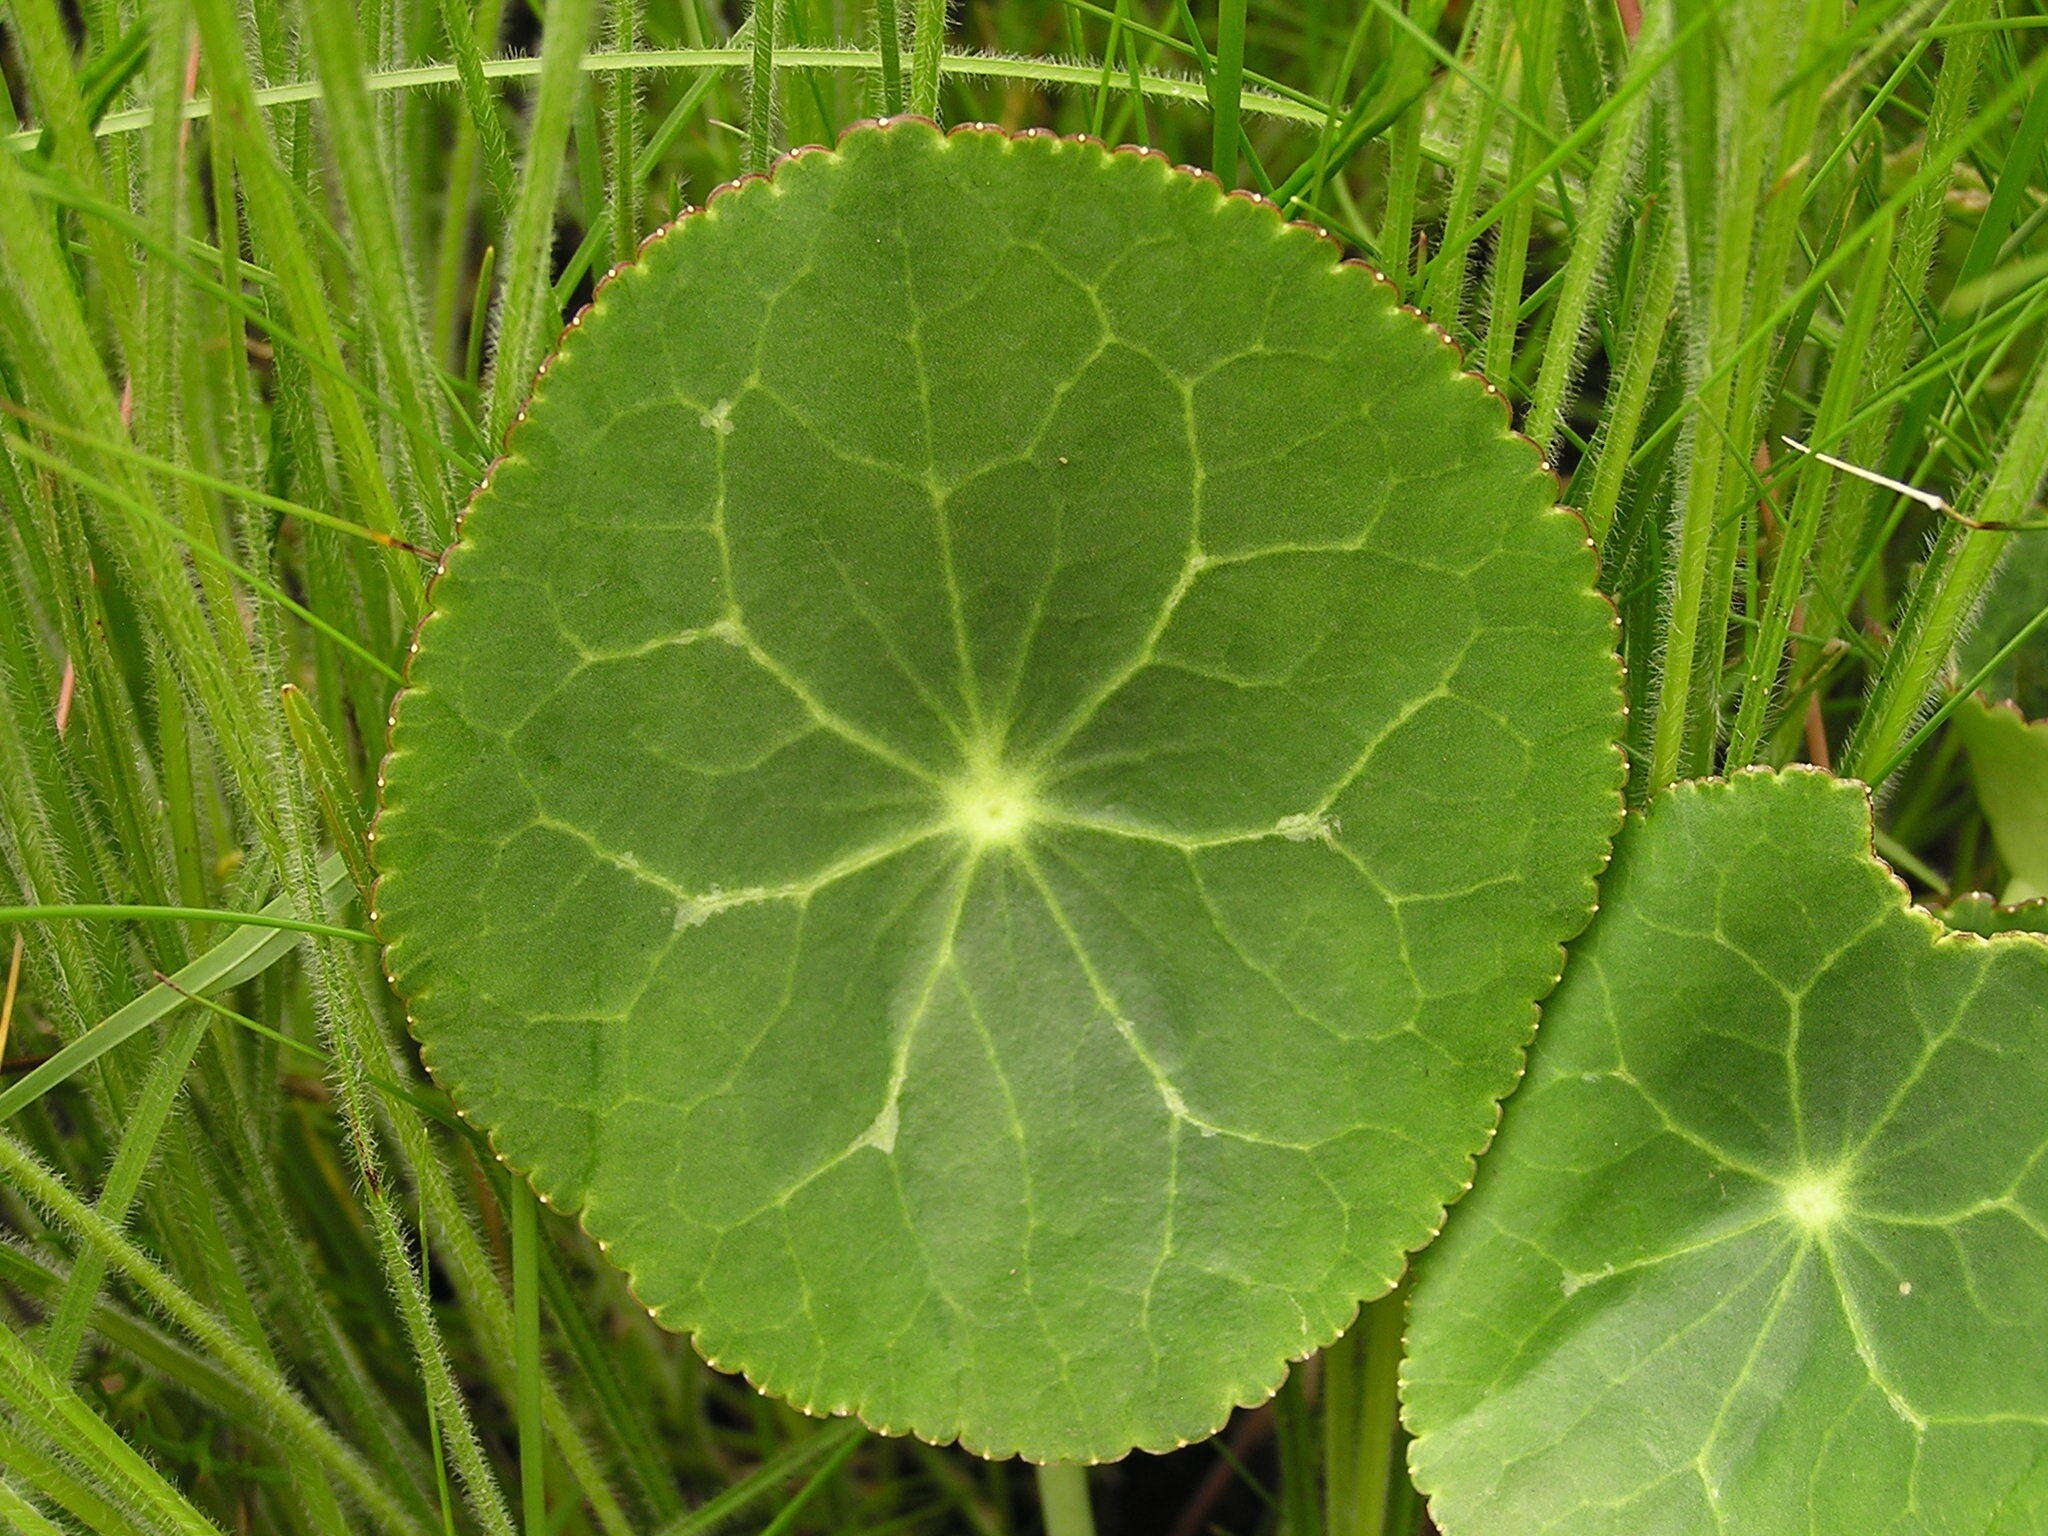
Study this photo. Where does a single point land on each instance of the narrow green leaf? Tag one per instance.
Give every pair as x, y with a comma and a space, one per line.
1265, 96
1791, 573
332, 790
32, 1390
65, 1329
533, 1488
114, 448
787, 1517
277, 227
761, 85
524, 321
391, 308
2013, 610
889, 38
1063, 1492
1614, 446
244, 953
1361, 1420
204, 551
191, 914
1535, 42
279, 1403
460, 27
927, 51
21, 1514
1599, 217
1226, 90
765, 1479
1948, 589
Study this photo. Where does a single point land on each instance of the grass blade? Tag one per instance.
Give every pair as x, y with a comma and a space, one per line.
524, 321
1226, 91
246, 952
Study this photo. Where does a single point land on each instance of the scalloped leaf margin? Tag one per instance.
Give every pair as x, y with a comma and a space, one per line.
1763, 1247
992, 783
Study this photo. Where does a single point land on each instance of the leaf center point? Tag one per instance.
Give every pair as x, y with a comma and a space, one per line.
993, 806
1814, 1200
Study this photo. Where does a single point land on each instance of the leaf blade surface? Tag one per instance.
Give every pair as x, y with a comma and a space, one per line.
1760, 1248
991, 784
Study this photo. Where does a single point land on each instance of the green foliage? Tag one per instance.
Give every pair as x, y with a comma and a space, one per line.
2011, 634
1005, 899
1979, 913
2009, 765
273, 280
2007, 657
1763, 1245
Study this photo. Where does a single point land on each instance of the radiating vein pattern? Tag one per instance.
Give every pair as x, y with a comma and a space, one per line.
1763, 1247
992, 783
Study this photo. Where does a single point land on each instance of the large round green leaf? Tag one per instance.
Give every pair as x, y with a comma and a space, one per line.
991, 785
1763, 1247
